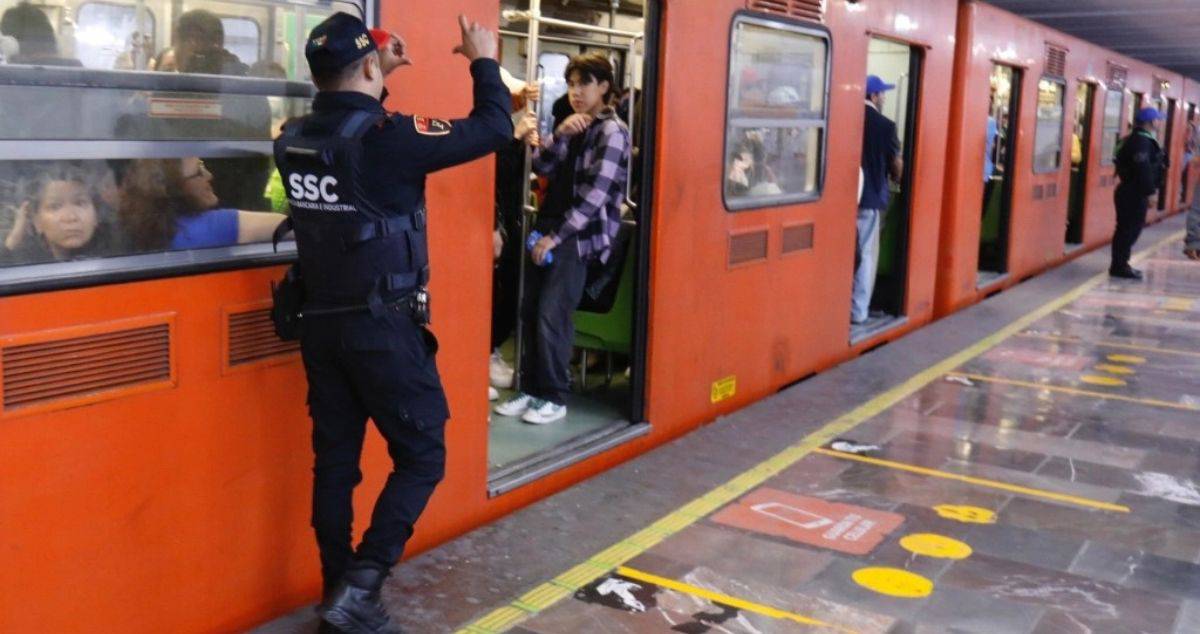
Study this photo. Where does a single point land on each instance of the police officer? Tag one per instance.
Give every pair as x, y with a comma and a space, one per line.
1140, 166
355, 179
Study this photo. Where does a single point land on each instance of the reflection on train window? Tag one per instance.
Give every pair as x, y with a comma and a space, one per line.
1111, 134
775, 132
242, 38
1048, 137
114, 36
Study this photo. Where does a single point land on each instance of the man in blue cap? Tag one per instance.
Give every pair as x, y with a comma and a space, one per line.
880, 160
1140, 165
355, 180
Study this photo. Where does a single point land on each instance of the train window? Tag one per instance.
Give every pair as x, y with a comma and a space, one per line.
775, 130
111, 172
1048, 137
242, 38
1111, 132
109, 35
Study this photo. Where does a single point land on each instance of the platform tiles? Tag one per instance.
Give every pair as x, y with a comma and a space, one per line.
1047, 480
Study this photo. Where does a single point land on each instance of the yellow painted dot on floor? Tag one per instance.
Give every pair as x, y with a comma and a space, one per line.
966, 514
1114, 369
939, 546
1109, 381
893, 582
1127, 358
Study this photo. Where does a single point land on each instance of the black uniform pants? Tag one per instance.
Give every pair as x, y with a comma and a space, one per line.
1131, 218
359, 369
552, 293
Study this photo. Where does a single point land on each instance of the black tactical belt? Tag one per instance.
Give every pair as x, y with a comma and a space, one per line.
416, 304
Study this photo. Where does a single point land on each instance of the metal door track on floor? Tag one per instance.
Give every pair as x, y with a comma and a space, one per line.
575, 450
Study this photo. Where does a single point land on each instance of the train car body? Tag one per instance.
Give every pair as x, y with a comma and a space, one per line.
1005, 226
157, 449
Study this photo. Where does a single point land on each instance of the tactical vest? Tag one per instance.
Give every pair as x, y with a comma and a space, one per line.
352, 251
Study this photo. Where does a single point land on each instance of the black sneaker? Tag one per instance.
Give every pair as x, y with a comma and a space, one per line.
1127, 273
355, 606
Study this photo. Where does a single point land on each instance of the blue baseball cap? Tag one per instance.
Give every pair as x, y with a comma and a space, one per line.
1148, 114
338, 41
875, 84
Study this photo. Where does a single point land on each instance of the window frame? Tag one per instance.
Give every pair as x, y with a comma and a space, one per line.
1033, 163
811, 29
1106, 158
258, 40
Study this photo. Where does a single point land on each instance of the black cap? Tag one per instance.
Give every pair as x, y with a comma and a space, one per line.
339, 41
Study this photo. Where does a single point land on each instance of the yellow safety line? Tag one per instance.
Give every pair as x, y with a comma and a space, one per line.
983, 482
503, 618
722, 599
1108, 344
1074, 391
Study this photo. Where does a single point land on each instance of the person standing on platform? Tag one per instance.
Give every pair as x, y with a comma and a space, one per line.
880, 160
1139, 164
355, 176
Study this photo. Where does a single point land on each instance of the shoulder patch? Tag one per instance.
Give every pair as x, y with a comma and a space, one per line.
431, 127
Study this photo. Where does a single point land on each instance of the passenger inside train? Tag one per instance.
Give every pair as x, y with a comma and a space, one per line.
60, 215
587, 350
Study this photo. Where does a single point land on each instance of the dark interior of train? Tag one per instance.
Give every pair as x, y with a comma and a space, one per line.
898, 64
1003, 107
1081, 142
601, 386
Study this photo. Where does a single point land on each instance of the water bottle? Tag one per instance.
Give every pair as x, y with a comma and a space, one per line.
534, 236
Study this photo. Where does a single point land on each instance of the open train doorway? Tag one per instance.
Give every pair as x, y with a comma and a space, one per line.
897, 64
1166, 133
565, 375
1081, 143
999, 157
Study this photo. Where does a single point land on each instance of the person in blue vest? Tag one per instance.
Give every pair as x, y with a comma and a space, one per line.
1140, 166
355, 180
880, 161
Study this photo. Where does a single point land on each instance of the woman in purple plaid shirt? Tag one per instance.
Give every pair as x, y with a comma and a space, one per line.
587, 162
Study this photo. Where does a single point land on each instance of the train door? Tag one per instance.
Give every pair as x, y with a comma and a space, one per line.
591, 361
1166, 132
898, 64
1131, 108
1081, 143
1191, 149
1003, 111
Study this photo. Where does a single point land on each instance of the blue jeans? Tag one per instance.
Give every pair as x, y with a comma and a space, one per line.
866, 262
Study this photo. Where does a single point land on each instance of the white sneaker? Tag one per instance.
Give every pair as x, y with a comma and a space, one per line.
500, 374
514, 406
493, 393
544, 412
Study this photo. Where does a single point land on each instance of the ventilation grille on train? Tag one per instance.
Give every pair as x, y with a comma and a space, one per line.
803, 9
1056, 61
65, 369
1116, 76
252, 338
797, 238
750, 246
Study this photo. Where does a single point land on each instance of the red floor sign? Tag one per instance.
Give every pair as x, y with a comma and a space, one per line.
850, 529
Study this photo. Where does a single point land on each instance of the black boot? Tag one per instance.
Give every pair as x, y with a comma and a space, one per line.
355, 606
1127, 272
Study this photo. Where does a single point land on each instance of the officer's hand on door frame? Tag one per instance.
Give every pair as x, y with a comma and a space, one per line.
477, 41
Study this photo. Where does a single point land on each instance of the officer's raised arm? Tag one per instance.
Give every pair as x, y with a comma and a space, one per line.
433, 144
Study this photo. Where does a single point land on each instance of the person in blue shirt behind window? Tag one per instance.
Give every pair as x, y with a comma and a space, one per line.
169, 204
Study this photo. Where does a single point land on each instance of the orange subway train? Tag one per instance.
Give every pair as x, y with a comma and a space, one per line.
155, 434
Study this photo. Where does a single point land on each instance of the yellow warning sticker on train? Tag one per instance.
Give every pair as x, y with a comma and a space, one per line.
1127, 358
937, 546
724, 389
1095, 379
966, 514
893, 582
1112, 368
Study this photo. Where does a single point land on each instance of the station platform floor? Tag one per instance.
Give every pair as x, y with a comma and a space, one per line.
1030, 464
